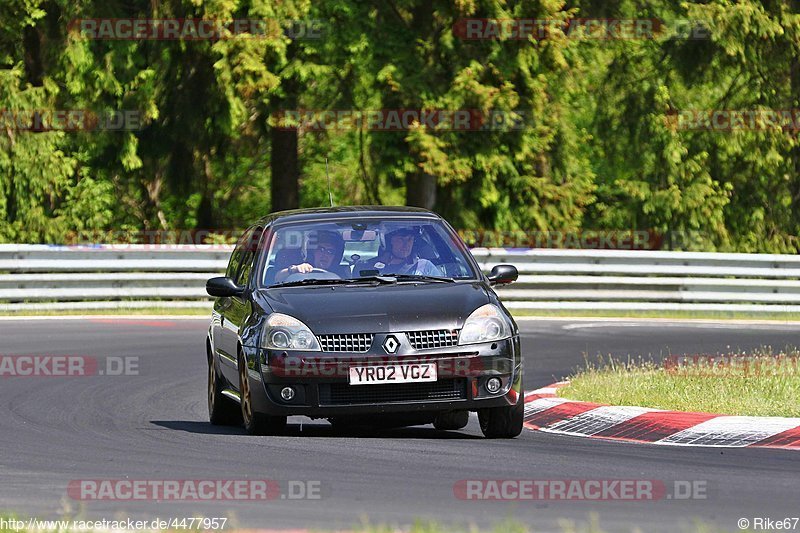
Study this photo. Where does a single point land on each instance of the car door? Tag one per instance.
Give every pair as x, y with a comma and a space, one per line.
225, 353
239, 307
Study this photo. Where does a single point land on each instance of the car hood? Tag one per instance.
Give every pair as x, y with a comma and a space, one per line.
377, 309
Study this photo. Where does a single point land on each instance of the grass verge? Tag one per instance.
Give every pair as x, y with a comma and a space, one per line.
760, 384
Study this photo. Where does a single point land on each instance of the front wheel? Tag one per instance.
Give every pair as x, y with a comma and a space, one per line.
256, 423
502, 422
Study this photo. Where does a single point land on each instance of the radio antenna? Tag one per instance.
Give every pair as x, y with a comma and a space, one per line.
330, 194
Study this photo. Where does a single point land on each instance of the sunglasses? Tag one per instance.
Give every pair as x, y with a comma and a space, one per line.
326, 249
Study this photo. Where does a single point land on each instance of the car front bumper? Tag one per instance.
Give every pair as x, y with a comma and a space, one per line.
322, 388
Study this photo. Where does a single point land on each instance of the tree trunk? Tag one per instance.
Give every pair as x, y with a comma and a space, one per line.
421, 187
283, 155
205, 211
795, 153
32, 44
285, 173
421, 190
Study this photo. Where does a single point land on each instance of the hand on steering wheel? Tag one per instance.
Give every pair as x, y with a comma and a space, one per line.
313, 273
303, 268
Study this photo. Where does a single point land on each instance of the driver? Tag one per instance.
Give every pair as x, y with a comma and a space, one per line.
326, 255
399, 257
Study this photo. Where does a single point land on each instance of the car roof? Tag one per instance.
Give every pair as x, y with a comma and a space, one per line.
327, 213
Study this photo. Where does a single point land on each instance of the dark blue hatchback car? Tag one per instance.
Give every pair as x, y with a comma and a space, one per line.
361, 315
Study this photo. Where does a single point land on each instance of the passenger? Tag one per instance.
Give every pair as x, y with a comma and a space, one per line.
399, 256
325, 254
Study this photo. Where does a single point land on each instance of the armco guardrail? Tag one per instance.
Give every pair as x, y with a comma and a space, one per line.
131, 276
648, 280
108, 276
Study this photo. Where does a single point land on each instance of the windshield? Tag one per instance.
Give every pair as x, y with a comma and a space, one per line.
408, 249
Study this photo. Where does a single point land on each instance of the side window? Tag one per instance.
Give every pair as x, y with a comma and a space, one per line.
236, 256
250, 251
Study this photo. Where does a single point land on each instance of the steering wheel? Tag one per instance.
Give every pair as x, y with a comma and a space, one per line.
316, 273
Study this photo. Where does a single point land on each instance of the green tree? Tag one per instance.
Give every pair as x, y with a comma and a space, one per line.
504, 177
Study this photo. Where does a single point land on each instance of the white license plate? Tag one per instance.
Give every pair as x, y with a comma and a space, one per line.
407, 373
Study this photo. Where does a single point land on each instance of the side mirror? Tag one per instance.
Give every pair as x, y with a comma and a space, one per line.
503, 274
223, 288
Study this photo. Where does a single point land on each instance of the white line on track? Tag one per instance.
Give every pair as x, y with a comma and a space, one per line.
732, 431
597, 420
542, 404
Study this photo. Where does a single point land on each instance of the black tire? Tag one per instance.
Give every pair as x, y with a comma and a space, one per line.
256, 423
502, 422
222, 411
451, 420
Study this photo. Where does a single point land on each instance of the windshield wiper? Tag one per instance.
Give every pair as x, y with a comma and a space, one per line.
311, 281
388, 279
419, 277
317, 281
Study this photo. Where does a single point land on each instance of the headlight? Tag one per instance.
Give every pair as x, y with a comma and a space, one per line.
284, 332
487, 323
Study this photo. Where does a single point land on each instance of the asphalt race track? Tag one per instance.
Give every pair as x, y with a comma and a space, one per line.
153, 425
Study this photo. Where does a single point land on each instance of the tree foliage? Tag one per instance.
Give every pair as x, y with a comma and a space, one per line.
588, 132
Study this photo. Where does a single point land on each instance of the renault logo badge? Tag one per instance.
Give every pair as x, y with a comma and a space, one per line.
391, 344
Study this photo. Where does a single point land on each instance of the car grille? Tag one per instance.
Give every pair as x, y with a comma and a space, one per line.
349, 342
345, 394
434, 338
